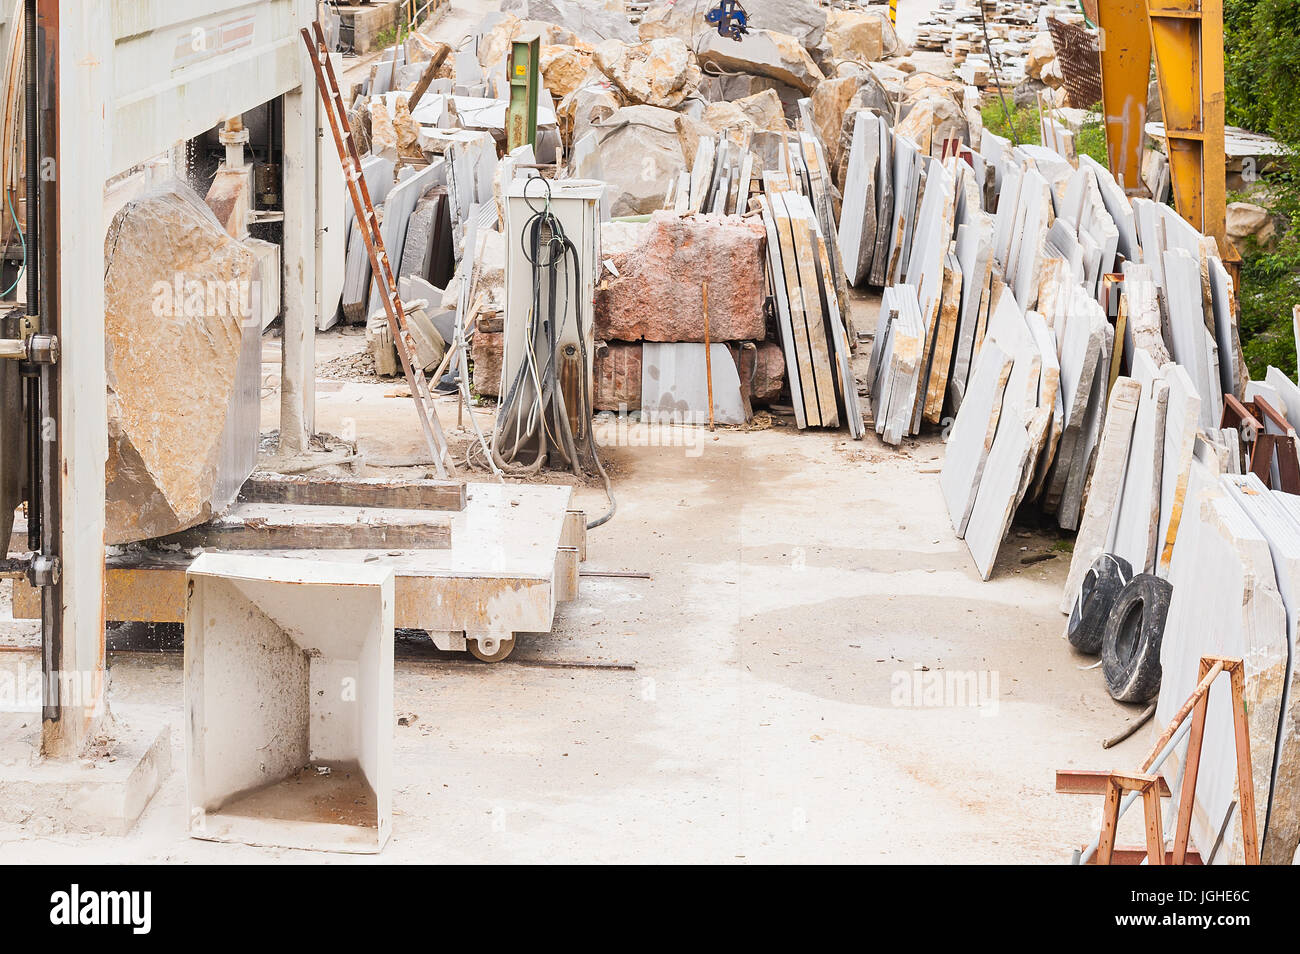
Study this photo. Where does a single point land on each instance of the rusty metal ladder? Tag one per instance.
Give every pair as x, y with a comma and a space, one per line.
380, 267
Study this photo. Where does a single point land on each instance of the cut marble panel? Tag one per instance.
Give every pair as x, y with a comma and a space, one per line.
1142, 327
1180, 437
1233, 373
1117, 204
1004, 221
907, 180
1105, 486
1081, 349
995, 501
884, 204
1049, 416
895, 368
1225, 602
776, 278
925, 267
1081, 467
972, 434
397, 211
1288, 395
857, 233
674, 384
1277, 518
975, 255
1135, 530
940, 359
1192, 345
803, 221
1036, 200
702, 173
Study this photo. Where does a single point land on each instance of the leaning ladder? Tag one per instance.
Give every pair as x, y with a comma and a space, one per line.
328, 85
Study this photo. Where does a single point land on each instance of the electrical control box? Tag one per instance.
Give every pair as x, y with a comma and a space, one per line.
575, 203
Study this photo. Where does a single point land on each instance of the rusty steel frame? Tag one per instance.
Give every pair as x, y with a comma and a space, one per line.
1261, 446
1151, 787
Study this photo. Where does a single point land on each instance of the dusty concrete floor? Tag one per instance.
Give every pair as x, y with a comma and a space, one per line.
798, 577
799, 580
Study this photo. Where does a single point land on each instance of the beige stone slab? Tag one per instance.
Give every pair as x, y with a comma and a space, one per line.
972, 434
1106, 484
1225, 602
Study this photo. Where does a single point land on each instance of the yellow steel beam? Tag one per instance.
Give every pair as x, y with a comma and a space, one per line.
1125, 70
1187, 38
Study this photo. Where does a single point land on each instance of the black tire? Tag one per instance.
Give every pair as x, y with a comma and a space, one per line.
1101, 587
1130, 649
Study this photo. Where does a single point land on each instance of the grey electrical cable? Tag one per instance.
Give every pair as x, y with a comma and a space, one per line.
533, 407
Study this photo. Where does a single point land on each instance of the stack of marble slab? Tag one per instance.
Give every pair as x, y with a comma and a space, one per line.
1236, 593
915, 220
894, 374
867, 210
1000, 429
720, 179
812, 328
1198, 298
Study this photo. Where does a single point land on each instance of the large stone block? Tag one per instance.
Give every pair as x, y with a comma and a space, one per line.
761, 110
176, 289
658, 294
661, 72
641, 156
853, 35
564, 68
778, 56
588, 21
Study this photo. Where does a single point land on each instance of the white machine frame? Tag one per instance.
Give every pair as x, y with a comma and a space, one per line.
135, 77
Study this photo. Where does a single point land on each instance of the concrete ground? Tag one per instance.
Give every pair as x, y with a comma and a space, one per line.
775, 692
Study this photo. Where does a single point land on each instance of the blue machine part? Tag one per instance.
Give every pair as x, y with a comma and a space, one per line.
730, 18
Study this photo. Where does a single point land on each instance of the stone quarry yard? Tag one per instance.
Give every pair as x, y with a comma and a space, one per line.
754, 700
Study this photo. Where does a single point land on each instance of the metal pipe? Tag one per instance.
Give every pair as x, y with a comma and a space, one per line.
31, 376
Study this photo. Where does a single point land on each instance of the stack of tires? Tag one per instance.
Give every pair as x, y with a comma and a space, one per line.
1121, 615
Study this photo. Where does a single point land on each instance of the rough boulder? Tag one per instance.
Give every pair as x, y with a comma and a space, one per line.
658, 294
661, 72
176, 290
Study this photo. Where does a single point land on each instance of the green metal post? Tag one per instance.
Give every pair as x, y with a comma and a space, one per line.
521, 117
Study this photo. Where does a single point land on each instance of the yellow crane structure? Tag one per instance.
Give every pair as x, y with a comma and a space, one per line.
1186, 37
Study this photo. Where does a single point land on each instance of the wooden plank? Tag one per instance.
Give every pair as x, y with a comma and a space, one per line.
354, 492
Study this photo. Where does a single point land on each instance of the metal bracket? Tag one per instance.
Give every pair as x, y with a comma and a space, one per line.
44, 570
